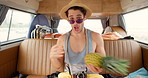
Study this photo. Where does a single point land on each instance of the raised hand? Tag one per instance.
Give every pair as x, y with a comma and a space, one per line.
57, 55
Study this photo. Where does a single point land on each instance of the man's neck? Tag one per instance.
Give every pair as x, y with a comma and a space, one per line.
82, 33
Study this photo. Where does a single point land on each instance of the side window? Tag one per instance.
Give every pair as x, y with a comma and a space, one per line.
92, 24
63, 26
137, 25
4, 28
15, 25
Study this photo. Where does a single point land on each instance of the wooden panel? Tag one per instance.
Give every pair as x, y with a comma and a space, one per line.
61, 4
95, 5
103, 7
48, 6
111, 6
8, 62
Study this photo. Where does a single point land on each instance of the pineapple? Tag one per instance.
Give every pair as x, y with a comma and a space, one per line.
109, 63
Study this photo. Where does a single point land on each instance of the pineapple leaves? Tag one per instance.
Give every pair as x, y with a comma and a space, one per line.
115, 65
108, 63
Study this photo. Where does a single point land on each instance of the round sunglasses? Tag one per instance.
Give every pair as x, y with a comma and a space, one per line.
77, 21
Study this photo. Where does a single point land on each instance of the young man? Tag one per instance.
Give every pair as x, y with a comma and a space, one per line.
76, 41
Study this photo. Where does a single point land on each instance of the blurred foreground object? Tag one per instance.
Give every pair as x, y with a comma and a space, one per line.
67, 75
64, 75
94, 76
109, 63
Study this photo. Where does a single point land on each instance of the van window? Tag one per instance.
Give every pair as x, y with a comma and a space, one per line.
92, 24
137, 24
63, 26
15, 25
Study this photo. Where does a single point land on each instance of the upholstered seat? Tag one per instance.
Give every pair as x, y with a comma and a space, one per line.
33, 58
125, 49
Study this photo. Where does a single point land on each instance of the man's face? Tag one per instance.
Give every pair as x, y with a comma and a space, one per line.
76, 18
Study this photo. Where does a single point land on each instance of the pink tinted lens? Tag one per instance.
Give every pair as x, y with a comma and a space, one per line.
71, 21
79, 21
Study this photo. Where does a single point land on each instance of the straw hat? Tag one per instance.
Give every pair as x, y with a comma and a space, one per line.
74, 3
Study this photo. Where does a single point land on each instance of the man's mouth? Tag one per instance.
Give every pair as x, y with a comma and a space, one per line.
76, 28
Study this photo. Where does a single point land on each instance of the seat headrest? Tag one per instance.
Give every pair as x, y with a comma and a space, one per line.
117, 29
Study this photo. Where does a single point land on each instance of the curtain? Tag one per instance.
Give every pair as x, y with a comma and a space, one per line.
105, 22
121, 21
3, 12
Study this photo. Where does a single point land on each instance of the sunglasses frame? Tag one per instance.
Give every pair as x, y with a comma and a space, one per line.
76, 21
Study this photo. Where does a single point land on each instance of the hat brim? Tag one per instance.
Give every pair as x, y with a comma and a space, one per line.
65, 8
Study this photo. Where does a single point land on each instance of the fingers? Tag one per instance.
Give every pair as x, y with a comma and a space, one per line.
57, 51
57, 46
57, 54
100, 69
94, 69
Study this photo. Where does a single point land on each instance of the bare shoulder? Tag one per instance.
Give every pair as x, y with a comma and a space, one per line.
96, 35
97, 38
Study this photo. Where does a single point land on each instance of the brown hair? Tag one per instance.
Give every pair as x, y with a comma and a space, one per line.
77, 8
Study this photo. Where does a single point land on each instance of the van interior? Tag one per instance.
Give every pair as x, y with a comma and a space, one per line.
29, 28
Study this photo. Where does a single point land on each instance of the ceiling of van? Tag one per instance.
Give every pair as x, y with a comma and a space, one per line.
100, 8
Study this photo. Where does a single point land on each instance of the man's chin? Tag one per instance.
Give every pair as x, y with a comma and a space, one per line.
77, 32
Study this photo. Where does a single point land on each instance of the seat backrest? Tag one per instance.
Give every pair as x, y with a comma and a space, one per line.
33, 56
125, 49
117, 29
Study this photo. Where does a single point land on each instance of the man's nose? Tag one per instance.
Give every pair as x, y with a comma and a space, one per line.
75, 22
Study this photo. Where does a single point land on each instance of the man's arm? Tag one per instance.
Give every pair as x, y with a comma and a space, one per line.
99, 43
57, 54
99, 48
